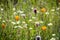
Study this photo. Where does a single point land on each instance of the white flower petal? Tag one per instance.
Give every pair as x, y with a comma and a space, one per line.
14, 9
53, 39
33, 17
18, 22
41, 21
3, 21
30, 28
23, 15
30, 20
19, 11
47, 13
50, 24
52, 9
37, 22
13, 23
2, 9
53, 34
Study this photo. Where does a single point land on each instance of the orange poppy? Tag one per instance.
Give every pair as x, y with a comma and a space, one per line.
43, 10
16, 18
44, 28
3, 25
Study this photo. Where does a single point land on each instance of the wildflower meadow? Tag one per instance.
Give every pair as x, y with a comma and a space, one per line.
29, 19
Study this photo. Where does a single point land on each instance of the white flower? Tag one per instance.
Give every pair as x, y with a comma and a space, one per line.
52, 9
2, 9
14, 13
3, 21
23, 22
41, 21
37, 11
30, 28
37, 22
13, 23
47, 13
18, 27
0, 18
57, 8
53, 34
32, 8
14, 9
17, 22
53, 39
25, 25
30, 20
15, 26
33, 17
50, 24
19, 11
23, 15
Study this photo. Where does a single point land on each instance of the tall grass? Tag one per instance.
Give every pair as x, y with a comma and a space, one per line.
26, 27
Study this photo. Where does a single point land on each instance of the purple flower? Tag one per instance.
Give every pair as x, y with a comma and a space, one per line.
35, 11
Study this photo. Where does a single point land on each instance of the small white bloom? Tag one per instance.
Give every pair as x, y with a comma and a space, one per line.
37, 22
37, 11
15, 26
25, 25
15, 13
30, 28
3, 21
30, 20
2, 9
57, 8
53, 34
23, 15
47, 13
21, 27
0, 18
41, 21
53, 39
33, 17
52, 9
32, 8
18, 27
13, 23
50, 24
23, 22
19, 11
14, 9
18, 22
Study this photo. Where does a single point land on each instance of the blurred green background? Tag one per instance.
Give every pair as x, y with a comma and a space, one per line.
30, 23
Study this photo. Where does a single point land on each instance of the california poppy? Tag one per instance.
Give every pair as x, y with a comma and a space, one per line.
16, 18
44, 28
43, 10
3, 25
